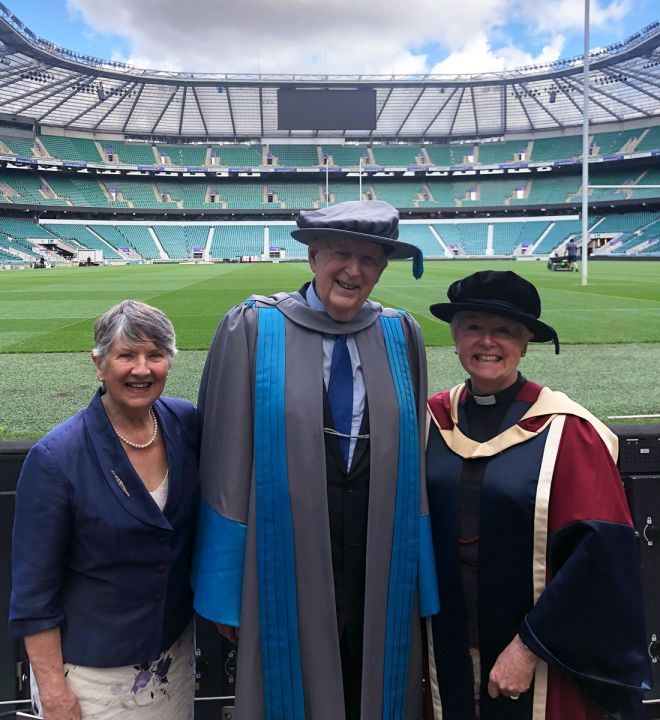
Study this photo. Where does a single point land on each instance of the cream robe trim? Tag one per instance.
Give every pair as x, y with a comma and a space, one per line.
549, 402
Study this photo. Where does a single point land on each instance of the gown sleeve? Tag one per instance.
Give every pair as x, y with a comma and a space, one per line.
589, 621
226, 415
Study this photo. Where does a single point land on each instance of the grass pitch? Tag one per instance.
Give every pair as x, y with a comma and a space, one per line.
610, 330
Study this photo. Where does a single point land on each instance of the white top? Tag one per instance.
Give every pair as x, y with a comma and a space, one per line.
160, 493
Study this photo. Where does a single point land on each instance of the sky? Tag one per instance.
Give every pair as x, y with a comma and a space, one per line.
332, 36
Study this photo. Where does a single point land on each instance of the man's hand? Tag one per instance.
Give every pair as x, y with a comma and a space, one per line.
229, 631
513, 670
61, 704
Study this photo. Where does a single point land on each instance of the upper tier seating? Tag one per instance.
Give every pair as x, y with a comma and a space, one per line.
396, 155
71, 148
18, 147
398, 194
500, 152
244, 195
131, 153
189, 193
141, 193
649, 177
28, 187
557, 148
238, 155
347, 155
295, 155
445, 155
297, 196
650, 141
611, 143
183, 155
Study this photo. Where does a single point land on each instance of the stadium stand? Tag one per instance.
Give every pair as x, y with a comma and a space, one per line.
138, 193
650, 140
133, 153
25, 187
280, 236
183, 155
297, 195
71, 148
179, 241
296, 155
245, 195
423, 238
232, 241
397, 155
346, 155
507, 237
399, 194
190, 193
553, 148
500, 152
81, 235
17, 147
238, 155
611, 143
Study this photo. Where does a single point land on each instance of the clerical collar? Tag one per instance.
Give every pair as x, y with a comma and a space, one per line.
503, 396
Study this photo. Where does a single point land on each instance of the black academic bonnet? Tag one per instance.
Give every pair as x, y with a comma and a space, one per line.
371, 220
498, 292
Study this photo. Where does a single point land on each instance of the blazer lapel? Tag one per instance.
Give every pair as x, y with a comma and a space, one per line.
174, 445
116, 468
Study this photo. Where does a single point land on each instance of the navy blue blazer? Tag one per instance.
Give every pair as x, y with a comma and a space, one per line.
92, 553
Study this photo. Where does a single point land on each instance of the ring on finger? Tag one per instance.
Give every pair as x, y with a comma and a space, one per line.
513, 697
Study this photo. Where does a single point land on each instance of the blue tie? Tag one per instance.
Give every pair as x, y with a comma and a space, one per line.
340, 393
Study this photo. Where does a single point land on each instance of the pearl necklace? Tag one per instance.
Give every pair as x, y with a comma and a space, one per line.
141, 446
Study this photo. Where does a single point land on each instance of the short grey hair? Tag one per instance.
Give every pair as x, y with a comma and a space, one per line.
134, 322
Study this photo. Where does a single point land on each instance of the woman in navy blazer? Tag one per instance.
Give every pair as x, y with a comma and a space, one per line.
105, 510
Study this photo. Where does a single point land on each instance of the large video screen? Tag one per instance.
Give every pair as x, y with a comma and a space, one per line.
326, 109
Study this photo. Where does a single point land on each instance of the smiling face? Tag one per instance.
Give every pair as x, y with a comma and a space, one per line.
346, 271
489, 348
133, 374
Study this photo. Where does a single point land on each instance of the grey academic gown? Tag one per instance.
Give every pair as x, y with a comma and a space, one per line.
226, 405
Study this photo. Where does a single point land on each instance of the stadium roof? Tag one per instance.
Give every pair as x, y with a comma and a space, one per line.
45, 84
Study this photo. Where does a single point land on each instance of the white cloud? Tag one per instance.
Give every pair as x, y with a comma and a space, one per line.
564, 15
479, 56
342, 36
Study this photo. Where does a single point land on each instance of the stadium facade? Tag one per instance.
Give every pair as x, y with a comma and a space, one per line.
104, 159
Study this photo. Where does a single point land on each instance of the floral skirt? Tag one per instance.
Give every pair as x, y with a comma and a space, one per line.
163, 689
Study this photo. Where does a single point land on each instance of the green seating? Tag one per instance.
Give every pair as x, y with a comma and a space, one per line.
297, 195
296, 155
248, 195
179, 241
650, 141
346, 155
18, 148
231, 241
611, 143
500, 152
183, 155
280, 236
130, 153
71, 148
398, 194
19, 229
81, 235
29, 187
557, 148
421, 236
238, 155
396, 155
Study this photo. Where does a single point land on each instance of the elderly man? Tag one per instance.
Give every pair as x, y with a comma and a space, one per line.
314, 534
